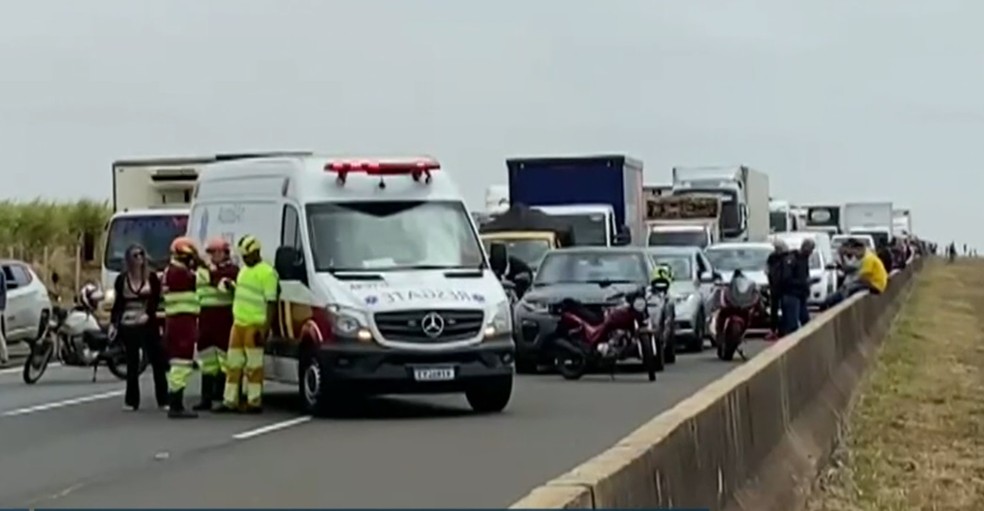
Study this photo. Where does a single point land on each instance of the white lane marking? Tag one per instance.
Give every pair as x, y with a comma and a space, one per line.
271, 428
61, 404
12, 370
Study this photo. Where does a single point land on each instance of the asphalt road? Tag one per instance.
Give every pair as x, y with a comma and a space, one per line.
65, 442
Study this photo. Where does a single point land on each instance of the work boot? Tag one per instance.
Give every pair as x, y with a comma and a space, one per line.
218, 392
177, 409
208, 392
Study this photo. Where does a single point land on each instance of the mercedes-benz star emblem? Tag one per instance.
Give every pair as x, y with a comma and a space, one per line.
432, 325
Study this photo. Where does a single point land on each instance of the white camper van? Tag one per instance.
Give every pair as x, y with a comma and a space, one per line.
385, 286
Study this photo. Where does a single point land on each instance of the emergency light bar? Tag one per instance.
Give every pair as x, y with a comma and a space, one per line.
413, 168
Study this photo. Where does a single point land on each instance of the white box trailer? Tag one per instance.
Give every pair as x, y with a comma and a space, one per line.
744, 193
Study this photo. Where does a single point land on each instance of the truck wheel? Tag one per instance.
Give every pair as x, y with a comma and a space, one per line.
491, 396
316, 398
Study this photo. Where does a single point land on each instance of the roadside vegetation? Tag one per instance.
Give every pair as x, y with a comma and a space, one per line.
916, 433
51, 236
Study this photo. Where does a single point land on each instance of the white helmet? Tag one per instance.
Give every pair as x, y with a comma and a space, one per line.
90, 295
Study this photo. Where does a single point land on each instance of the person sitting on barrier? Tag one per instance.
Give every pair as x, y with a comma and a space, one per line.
870, 275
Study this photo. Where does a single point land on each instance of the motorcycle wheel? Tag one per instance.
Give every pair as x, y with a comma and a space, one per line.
652, 355
731, 339
37, 361
571, 365
116, 362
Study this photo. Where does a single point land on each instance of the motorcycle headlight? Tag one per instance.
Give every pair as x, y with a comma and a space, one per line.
349, 322
500, 320
639, 304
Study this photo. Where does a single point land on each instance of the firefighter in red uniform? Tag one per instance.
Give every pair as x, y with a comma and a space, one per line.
216, 283
181, 309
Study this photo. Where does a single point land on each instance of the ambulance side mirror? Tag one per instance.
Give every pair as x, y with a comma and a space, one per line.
289, 263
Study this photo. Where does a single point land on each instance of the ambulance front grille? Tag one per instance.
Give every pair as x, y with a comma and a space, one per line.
409, 326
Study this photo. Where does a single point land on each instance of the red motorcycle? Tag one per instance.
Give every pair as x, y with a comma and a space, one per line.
585, 339
740, 304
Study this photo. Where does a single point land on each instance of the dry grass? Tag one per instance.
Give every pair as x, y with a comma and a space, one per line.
916, 435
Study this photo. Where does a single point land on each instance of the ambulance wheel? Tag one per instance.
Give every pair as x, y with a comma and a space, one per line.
316, 397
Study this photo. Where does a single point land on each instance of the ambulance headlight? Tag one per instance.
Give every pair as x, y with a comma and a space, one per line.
500, 320
349, 322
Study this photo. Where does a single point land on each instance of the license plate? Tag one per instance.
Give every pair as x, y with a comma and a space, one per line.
433, 374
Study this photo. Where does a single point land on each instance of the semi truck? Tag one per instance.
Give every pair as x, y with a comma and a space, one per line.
683, 221
901, 222
782, 217
744, 194
824, 218
600, 197
872, 218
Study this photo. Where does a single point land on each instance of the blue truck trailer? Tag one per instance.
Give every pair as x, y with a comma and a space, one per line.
600, 196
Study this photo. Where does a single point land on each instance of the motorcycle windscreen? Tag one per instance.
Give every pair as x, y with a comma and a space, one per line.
742, 292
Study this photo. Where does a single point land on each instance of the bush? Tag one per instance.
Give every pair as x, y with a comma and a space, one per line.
49, 236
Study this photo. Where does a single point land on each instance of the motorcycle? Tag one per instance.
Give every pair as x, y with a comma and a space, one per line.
584, 339
74, 338
741, 302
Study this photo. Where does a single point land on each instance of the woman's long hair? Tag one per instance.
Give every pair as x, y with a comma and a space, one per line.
133, 265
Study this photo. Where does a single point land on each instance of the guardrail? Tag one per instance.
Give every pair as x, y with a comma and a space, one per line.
751, 440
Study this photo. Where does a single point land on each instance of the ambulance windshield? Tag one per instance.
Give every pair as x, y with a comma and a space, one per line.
392, 235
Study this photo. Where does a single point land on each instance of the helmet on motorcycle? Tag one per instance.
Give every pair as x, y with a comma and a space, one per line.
90, 295
661, 278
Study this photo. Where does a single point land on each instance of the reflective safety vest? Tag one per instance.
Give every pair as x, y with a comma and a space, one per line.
209, 295
179, 291
256, 286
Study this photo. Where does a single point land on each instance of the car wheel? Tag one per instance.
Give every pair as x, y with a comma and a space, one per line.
696, 342
669, 341
491, 396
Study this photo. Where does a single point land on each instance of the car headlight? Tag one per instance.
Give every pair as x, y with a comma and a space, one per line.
349, 322
639, 304
500, 320
534, 306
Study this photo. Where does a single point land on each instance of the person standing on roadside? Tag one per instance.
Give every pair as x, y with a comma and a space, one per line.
774, 267
181, 309
796, 288
4, 354
134, 319
253, 308
215, 292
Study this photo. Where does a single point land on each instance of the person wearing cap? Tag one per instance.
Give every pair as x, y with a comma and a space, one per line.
181, 309
253, 307
215, 292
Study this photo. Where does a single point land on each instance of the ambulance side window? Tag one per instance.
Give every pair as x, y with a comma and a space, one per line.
290, 232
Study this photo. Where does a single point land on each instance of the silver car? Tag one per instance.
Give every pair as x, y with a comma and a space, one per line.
693, 291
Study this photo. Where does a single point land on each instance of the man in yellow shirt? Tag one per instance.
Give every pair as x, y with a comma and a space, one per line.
870, 274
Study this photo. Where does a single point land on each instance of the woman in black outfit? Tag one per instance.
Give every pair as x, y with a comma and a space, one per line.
134, 318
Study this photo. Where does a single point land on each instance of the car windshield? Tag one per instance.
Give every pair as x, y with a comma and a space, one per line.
679, 265
392, 235
530, 251
729, 259
589, 230
153, 232
659, 238
592, 267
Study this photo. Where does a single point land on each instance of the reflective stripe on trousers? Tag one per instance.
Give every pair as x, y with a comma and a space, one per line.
178, 375
212, 361
244, 358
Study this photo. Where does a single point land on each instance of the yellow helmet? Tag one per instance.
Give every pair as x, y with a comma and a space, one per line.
661, 277
248, 245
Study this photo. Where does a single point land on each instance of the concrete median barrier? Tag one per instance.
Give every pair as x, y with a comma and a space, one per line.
751, 440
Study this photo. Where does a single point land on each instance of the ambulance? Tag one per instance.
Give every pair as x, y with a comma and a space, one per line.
384, 284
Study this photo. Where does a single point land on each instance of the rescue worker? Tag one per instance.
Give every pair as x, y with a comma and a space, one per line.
181, 308
253, 309
215, 290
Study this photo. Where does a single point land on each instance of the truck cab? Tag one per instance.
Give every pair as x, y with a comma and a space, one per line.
782, 217
744, 194
593, 224
683, 221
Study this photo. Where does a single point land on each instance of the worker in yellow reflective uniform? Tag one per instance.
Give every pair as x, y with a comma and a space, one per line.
215, 290
253, 309
181, 308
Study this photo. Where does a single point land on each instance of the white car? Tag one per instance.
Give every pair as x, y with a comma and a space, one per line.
28, 304
823, 276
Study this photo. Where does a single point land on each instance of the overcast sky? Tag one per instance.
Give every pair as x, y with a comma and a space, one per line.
837, 100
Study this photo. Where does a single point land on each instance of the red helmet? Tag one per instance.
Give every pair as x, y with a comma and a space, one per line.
184, 247
217, 245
